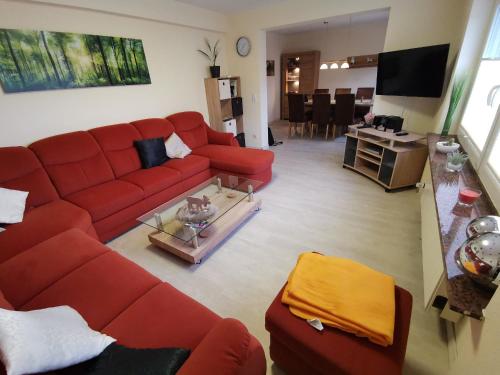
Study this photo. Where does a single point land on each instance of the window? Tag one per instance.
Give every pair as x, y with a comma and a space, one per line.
494, 159
480, 126
484, 98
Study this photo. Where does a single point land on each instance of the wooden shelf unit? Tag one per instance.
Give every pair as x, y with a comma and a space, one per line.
219, 109
391, 161
299, 74
363, 61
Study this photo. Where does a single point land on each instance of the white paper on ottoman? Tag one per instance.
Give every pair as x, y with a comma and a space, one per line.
48, 339
176, 149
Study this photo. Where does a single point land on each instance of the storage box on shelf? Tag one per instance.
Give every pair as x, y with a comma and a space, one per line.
225, 104
391, 161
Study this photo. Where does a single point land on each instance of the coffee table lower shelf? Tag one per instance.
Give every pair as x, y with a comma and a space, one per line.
217, 232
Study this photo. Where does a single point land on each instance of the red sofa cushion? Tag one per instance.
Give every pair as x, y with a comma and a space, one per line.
21, 170
117, 142
189, 166
107, 198
221, 138
334, 351
42, 223
4, 304
24, 276
223, 351
237, 159
191, 128
99, 290
174, 319
154, 128
153, 180
73, 161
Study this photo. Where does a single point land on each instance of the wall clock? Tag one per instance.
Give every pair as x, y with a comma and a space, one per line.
243, 46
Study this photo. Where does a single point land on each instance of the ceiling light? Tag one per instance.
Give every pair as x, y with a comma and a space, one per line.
345, 65
324, 66
334, 66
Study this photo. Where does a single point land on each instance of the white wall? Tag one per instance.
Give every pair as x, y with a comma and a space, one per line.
176, 69
274, 49
333, 43
411, 24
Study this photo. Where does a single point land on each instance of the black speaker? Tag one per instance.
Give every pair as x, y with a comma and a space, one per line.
379, 120
237, 106
394, 122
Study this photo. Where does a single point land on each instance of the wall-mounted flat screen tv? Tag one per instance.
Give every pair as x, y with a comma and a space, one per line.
412, 72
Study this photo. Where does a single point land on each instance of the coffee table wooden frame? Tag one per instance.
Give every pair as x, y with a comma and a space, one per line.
195, 250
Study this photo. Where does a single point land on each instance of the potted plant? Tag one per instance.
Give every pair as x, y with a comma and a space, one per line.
211, 54
456, 95
456, 161
447, 146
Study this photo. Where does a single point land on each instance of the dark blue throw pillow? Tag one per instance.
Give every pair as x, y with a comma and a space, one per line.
120, 360
152, 152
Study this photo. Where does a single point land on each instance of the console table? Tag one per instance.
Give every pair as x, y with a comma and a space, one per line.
390, 160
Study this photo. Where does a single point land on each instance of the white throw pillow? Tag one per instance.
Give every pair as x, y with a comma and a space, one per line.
45, 340
12, 203
176, 149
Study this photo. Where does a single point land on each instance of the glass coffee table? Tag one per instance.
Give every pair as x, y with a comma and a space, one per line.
192, 225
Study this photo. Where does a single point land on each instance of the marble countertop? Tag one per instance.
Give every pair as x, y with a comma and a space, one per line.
464, 295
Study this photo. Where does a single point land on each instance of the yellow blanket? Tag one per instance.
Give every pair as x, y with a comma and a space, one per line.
343, 294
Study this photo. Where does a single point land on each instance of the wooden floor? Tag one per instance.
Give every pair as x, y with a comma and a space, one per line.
311, 204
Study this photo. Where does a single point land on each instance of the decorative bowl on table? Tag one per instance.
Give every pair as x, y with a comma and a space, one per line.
446, 148
185, 215
479, 258
483, 224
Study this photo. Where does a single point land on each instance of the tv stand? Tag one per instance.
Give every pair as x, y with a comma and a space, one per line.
390, 160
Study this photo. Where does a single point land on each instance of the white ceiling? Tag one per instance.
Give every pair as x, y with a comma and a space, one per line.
337, 21
229, 6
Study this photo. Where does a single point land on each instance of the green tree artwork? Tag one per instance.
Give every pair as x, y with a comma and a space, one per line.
45, 60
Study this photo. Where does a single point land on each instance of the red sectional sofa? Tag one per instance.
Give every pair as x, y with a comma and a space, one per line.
88, 186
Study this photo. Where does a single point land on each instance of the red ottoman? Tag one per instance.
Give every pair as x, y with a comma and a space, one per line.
299, 349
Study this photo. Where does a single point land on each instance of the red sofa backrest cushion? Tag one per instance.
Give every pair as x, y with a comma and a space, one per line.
117, 142
73, 161
21, 170
154, 128
191, 127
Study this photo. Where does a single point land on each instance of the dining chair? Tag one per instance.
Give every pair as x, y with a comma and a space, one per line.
321, 114
321, 91
297, 113
344, 112
341, 90
365, 93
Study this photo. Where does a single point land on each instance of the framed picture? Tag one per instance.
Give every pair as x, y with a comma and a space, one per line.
44, 60
270, 68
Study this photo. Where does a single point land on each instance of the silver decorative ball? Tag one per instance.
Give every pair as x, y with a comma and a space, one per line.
479, 258
483, 224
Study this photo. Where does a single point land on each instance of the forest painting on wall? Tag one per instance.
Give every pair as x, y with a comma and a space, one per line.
45, 60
